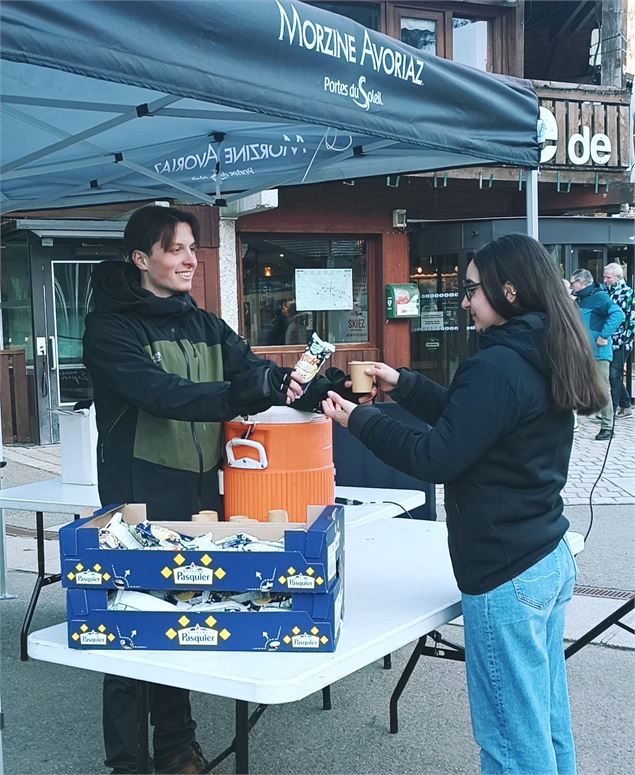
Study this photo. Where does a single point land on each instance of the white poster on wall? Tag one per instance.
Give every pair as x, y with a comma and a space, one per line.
323, 289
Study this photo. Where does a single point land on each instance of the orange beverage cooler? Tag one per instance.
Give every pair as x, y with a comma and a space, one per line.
278, 459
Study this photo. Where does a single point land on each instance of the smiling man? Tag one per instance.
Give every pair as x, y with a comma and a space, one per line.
166, 374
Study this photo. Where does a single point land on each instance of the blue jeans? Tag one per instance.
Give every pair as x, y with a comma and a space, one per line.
619, 394
516, 677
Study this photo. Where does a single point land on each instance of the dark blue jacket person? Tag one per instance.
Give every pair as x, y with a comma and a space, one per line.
500, 441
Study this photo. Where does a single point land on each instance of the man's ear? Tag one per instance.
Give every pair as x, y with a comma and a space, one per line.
139, 259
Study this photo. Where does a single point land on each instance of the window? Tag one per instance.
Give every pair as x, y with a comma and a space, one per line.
270, 313
560, 42
465, 33
15, 300
472, 42
420, 29
419, 33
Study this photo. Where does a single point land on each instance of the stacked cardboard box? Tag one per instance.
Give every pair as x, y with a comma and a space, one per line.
310, 569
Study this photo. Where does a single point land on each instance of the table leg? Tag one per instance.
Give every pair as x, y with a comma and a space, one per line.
613, 618
401, 683
143, 755
388, 662
39, 583
4, 594
326, 698
242, 737
42, 580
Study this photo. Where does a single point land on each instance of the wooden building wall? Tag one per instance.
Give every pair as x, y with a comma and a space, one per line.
345, 211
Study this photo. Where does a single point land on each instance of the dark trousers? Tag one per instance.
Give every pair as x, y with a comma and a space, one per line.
619, 394
170, 716
170, 711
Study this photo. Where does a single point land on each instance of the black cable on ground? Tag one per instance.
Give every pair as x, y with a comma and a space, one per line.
595, 484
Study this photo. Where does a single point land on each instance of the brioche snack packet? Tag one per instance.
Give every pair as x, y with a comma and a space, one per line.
309, 363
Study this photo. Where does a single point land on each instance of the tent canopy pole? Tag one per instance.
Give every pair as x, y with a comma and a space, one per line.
531, 196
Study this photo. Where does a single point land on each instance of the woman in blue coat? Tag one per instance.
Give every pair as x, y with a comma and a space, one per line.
500, 441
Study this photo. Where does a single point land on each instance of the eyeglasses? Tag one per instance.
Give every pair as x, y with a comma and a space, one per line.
469, 288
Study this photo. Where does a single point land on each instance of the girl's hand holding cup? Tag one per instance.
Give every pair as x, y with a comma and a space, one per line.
385, 376
368, 376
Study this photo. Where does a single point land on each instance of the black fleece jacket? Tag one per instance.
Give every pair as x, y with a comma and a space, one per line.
497, 443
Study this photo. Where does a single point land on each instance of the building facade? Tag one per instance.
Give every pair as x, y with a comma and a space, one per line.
392, 229
415, 229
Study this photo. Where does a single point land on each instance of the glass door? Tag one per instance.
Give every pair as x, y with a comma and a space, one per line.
433, 341
62, 295
592, 258
72, 293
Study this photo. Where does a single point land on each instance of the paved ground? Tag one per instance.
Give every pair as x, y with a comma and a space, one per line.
52, 714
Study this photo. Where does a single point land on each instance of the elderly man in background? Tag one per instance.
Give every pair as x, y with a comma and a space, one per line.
622, 295
601, 318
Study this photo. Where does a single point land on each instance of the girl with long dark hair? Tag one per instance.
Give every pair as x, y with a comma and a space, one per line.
500, 441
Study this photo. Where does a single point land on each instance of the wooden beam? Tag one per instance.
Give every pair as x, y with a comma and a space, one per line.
613, 45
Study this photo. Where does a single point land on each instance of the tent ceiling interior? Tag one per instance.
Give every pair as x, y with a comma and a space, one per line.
211, 100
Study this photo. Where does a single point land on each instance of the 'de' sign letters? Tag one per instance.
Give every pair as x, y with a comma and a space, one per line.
582, 147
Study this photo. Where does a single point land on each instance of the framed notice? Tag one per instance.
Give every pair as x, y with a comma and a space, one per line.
323, 289
432, 321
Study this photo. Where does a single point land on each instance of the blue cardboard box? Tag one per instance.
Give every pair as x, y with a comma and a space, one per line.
313, 625
312, 560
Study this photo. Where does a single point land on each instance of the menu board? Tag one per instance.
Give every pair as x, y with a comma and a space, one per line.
323, 289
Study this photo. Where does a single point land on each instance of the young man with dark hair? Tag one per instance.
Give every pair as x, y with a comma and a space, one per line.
166, 374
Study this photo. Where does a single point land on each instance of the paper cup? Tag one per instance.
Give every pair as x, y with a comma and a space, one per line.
205, 516
362, 382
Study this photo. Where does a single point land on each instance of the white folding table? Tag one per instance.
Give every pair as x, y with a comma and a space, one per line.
53, 495
399, 587
50, 495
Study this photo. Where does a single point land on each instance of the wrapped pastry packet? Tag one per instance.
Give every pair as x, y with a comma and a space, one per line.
117, 534
153, 536
309, 363
223, 602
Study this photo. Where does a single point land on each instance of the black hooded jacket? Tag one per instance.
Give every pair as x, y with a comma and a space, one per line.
497, 443
161, 370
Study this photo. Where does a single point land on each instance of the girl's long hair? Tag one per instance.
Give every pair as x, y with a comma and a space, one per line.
527, 265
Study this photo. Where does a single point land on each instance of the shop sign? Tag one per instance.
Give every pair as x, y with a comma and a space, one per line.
582, 146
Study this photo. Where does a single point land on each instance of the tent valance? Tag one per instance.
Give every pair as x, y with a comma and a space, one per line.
207, 100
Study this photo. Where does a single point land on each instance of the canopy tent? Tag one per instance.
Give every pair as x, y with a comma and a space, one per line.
210, 100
